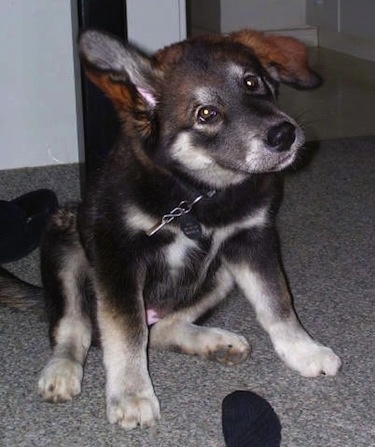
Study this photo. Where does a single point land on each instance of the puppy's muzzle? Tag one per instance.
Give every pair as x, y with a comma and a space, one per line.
281, 137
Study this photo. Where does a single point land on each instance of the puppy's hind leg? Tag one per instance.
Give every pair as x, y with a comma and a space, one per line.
177, 331
64, 272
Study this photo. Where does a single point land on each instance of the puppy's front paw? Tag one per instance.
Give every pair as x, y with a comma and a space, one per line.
133, 410
60, 380
309, 358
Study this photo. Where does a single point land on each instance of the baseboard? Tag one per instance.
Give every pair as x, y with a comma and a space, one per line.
356, 46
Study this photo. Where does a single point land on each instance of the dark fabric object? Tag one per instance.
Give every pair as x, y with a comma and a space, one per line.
22, 221
249, 421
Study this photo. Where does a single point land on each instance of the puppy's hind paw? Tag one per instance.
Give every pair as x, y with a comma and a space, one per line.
225, 347
60, 380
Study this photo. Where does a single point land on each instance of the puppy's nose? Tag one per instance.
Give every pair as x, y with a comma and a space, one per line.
281, 137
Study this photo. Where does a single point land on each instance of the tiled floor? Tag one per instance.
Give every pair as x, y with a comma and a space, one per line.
344, 106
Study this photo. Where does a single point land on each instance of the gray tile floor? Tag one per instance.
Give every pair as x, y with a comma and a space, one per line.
344, 106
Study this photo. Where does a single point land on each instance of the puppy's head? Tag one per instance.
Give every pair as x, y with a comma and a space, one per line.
208, 104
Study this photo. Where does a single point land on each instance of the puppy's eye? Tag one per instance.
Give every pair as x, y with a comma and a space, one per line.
206, 114
251, 83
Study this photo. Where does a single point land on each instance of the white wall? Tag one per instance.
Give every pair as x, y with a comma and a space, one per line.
38, 124
40, 115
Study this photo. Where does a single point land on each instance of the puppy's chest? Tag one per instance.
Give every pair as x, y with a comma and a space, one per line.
182, 251
186, 259
185, 256
185, 268
185, 263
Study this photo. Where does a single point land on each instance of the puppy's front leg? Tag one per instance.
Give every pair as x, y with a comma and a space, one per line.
252, 257
131, 400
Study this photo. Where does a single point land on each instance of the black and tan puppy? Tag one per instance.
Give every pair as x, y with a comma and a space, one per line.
184, 209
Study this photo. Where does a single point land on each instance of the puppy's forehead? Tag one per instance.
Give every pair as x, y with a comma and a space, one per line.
207, 58
204, 72
199, 78
203, 94
212, 86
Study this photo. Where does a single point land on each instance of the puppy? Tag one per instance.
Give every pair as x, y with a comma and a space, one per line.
183, 210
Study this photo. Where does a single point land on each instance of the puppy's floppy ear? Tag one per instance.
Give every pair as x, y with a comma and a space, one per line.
285, 58
124, 74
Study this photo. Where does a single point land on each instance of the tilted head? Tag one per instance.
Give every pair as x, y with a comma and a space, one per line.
207, 105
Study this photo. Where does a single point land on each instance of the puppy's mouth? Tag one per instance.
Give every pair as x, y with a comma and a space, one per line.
224, 168
284, 156
261, 159
285, 161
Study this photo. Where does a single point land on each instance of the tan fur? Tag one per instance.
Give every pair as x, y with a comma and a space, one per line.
125, 100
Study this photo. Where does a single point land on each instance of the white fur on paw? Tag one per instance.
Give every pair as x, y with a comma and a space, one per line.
133, 410
309, 358
60, 380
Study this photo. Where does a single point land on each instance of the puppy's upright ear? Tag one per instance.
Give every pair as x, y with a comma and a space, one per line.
123, 73
285, 58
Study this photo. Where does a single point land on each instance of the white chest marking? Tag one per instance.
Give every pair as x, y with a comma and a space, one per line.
176, 252
138, 220
257, 219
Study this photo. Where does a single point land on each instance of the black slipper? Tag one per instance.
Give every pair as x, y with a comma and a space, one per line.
22, 221
249, 421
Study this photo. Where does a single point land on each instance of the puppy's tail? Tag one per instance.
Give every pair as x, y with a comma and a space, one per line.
19, 294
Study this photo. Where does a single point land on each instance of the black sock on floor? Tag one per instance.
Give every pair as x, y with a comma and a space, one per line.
249, 421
